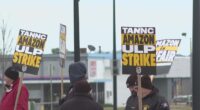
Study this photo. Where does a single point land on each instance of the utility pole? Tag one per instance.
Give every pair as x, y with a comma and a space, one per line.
195, 55
115, 70
76, 32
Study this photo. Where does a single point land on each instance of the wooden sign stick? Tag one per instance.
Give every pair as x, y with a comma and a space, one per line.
62, 82
19, 90
139, 93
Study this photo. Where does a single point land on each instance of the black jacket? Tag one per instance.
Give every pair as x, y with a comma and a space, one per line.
69, 94
151, 102
80, 102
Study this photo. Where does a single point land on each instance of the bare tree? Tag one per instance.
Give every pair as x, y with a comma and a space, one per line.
6, 47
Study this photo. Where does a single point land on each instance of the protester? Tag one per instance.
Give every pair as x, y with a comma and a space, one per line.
151, 100
77, 72
130, 84
81, 99
11, 78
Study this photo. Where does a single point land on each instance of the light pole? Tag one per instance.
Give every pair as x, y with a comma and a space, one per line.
195, 56
184, 34
76, 32
115, 70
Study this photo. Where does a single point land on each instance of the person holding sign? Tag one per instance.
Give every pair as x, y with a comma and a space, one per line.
8, 100
81, 99
77, 72
150, 98
130, 84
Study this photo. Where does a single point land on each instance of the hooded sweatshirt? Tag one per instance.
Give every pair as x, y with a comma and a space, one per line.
77, 72
9, 97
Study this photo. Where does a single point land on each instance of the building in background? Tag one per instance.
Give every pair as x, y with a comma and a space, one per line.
176, 82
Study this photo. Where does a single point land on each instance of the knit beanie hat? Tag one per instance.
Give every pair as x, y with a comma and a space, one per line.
82, 87
131, 81
12, 73
77, 71
145, 81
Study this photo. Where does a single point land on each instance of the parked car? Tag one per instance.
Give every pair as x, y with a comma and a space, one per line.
186, 99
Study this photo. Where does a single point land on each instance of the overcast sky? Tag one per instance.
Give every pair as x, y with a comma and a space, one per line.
170, 17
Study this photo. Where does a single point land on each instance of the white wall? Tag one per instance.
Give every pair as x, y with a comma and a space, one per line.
104, 73
108, 92
123, 91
